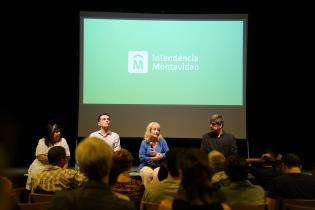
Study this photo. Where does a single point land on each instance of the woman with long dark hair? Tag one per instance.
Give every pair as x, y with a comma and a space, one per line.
196, 191
52, 138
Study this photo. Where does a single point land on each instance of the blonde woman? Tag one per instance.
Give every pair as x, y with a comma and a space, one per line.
151, 153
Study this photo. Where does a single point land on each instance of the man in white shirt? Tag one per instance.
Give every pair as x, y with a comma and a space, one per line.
105, 134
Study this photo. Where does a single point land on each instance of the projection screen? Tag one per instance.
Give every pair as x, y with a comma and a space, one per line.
176, 69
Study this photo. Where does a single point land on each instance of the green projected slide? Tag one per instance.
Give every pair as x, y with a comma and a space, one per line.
163, 62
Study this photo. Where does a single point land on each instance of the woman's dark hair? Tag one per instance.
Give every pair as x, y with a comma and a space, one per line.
51, 128
122, 161
236, 168
196, 175
163, 172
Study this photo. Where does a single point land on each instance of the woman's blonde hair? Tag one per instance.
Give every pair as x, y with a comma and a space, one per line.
94, 157
147, 133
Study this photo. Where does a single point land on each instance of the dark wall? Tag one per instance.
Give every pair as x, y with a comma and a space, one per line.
39, 73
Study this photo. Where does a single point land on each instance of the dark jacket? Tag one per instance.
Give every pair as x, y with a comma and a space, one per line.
91, 195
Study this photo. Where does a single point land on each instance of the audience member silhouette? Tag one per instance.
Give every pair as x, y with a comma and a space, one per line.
7, 194
120, 180
167, 188
55, 177
163, 172
293, 183
196, 188
265, 170
217, 165
95, 158
240, 190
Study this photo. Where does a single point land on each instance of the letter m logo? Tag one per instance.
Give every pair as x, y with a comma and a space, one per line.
137, 61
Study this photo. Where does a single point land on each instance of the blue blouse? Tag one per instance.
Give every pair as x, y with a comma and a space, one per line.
145, 153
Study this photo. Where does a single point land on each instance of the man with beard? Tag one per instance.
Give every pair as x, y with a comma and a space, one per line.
217, 138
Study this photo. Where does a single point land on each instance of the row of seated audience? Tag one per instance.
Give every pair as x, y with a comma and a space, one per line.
187, 179
292, 184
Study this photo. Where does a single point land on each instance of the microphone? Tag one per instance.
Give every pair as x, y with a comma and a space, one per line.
152, 152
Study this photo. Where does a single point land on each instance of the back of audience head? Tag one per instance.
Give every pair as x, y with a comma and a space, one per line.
172, 158
216, 161
269, 152
163, 172
195, 175
122, 161
291, 160
169, 166
57, 156
267, 160
237, 168
94, 157
267, 157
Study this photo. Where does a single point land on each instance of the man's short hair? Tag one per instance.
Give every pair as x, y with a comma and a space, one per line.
236, 168
56, 154
94, 157
122, 161
100, 115
216, 118
123, 158
291, 160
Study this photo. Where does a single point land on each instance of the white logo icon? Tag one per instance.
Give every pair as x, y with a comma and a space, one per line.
138, 62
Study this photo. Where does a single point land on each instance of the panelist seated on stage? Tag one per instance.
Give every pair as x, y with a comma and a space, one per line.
53, 137
152, 153
108, 136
